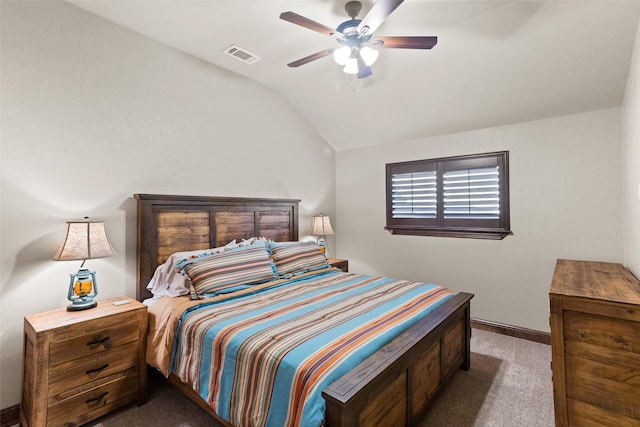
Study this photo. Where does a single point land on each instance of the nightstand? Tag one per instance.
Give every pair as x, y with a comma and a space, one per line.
79, 365
342, 264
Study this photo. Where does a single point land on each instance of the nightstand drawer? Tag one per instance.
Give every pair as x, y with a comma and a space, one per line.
79, 365
92, 343
66, 376
85, 406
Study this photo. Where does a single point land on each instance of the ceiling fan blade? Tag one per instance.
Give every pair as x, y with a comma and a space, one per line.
294, 18
377, 15
363, 69
407, 42
311, 57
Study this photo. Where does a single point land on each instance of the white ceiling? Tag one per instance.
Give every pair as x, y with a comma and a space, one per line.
496, 62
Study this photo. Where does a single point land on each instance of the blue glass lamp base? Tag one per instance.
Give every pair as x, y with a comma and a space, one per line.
82, 289
82, 304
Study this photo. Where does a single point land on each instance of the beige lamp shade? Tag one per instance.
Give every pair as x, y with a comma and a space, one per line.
84, 240
321, 226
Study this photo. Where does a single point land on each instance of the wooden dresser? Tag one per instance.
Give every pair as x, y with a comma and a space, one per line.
79, 365
595, 339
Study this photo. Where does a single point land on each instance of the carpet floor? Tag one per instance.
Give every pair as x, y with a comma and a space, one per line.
508, 385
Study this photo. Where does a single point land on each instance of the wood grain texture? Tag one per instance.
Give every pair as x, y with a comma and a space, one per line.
10, 416
88, 405
423, 383
167, 224
452, 344
389, 408
174, 226
83, 364
602, 281
74, 373
582, 414
511, 330
595, 338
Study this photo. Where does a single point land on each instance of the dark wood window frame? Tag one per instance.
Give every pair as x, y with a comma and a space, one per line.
431, 219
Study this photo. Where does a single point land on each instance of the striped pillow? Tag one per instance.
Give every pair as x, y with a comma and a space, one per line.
229, 271
293, 258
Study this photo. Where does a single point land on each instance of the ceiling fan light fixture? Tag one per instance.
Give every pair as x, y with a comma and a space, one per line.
368, 55
355, 36
351, 67
341, 55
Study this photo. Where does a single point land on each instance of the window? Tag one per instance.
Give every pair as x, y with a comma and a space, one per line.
464, 196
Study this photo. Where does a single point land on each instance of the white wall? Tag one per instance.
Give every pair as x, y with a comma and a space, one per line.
565, 194
93, 113
631, 164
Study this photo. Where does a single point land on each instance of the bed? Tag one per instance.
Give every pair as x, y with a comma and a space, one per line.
392, 386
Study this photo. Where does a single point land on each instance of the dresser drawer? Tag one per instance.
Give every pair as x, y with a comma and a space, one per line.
90, 404
66, 376
92, 343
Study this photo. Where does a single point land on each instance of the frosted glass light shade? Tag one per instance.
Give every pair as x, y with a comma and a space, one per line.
351, 67
368, 55
341, 55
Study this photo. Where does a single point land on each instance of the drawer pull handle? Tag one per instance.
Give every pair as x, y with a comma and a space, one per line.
96, 399
104, 341
93, 371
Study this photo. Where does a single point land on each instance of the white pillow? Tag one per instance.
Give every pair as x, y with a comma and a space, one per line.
168, 282
252, 240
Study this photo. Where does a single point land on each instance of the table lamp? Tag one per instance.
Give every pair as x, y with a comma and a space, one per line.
86, 239
321, 227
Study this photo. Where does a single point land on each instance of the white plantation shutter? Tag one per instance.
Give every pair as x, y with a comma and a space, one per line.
472, 193
460, 196
414, 195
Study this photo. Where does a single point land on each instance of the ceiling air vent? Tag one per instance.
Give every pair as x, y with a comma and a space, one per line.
241, 54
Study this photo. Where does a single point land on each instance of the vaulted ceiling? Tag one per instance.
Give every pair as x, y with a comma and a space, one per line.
496, 62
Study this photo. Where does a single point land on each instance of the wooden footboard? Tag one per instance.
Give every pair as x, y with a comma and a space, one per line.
395, 385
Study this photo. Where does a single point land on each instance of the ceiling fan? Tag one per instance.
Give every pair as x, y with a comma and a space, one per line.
355, 37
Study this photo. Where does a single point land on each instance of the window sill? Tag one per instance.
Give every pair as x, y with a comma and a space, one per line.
466, 234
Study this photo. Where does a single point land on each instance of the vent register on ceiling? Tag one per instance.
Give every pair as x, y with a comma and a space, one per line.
241, 54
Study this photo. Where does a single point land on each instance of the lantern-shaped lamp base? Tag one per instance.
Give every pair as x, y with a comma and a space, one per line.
83, 288
82, 303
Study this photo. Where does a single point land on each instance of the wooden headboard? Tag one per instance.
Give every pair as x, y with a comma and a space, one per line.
168, 224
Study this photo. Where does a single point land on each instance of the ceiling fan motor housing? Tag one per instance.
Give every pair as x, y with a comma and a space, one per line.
353, 8
349, 29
